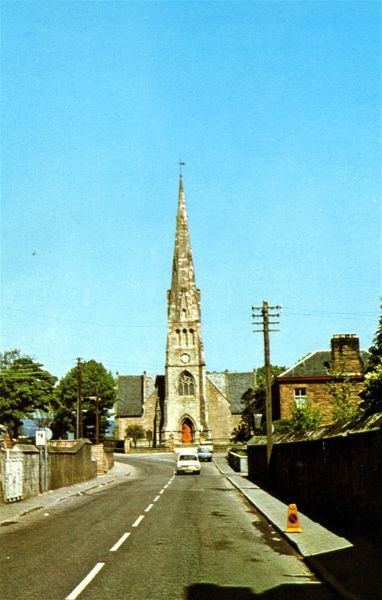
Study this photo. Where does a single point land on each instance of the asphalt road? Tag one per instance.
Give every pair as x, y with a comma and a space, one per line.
156, 536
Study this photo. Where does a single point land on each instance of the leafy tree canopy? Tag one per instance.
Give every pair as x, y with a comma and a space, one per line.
98, 394
304, 417
254, 403
136, 432
24, 388
372, 391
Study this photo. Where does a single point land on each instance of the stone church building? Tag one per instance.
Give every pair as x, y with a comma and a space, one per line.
187, 404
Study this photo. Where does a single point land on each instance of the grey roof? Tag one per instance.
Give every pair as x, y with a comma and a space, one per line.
237, 384
314, 365
130, 400
218, 379
130, 388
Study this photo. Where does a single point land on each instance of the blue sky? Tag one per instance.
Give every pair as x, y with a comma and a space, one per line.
275, 109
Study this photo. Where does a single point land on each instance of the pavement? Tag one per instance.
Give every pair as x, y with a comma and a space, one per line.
13, 511
351, 566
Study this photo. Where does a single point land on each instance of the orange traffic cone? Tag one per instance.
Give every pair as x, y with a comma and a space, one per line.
293, 524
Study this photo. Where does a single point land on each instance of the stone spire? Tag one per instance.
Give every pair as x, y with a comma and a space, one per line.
183, 297
185, 414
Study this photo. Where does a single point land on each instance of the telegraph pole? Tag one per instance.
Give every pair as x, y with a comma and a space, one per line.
265, 316
79, 424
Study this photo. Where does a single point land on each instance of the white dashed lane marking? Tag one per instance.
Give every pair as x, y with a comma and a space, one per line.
96, 569
120, 542
140, 518
81, 586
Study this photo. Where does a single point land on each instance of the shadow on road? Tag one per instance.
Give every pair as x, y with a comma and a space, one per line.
208, 591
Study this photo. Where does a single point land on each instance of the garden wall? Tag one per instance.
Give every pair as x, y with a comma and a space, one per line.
337, 470
65, 465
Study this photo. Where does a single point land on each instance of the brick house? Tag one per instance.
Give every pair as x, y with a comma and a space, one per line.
309, 380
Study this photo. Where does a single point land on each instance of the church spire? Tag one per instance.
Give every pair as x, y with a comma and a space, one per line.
183, 297
183, 277
184, 406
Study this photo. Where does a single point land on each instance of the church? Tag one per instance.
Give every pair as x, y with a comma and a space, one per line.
187, 404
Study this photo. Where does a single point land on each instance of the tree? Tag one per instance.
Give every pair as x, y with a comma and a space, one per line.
304, 417
372, 390
254, 403
98, 395
346, 404
136, 432
24, 388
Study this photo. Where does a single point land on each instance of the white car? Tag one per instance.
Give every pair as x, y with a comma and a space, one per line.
187, 462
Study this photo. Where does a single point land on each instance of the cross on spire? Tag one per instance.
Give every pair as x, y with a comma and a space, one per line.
181, 164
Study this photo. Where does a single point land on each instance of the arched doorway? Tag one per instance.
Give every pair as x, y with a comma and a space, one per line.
187, 432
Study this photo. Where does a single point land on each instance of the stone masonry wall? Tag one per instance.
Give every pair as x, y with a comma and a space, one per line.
317, 393
219, 414
345, 353
146, 420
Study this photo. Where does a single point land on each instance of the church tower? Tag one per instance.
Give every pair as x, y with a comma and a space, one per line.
185, 410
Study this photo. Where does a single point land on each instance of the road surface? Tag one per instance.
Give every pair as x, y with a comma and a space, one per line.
154, 536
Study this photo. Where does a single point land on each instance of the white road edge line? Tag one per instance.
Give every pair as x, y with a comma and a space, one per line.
157, 498
149, 507
120, 542
140, 518
81, 586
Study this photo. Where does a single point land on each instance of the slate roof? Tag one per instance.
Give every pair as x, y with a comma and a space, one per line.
130, 401
130, 387
237, 384
314, 365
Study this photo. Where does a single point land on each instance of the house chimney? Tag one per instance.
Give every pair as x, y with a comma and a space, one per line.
345, 353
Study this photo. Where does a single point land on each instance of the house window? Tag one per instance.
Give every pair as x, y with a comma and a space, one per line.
300, 397
186, 384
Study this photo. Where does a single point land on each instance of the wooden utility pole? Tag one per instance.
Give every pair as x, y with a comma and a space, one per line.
97, 420
79, 422
265, 322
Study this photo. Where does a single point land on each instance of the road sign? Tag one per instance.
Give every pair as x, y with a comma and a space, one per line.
40, 437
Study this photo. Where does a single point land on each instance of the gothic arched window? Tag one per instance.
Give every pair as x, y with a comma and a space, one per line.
186, 384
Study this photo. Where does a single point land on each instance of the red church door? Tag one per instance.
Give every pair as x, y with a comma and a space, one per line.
186, 434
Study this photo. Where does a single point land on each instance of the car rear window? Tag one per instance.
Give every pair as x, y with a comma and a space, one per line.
188, 457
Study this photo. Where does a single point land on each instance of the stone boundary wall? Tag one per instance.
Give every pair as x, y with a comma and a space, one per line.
338, 473
104, 458
71, 465
238, 462
65, 466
